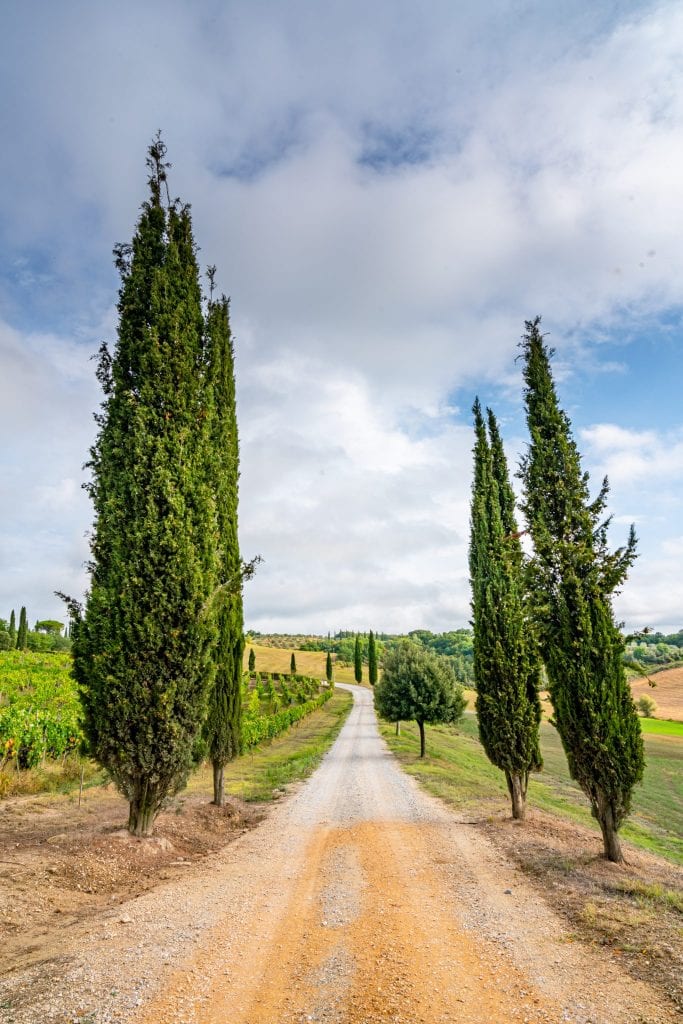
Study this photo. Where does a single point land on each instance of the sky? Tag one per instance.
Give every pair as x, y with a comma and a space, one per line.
389, 191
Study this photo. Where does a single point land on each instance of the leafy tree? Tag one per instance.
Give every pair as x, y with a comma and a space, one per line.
143, 649
252, 660
418, 684
574, 576
292, 665
506, 665
647, 706
50, 626
357, 661
222, 729
328, 667
13, 628
22, 632
372, 659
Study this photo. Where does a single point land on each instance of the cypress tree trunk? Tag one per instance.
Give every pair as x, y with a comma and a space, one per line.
398, 728
517, 783
143, 808
604, 812
218, 785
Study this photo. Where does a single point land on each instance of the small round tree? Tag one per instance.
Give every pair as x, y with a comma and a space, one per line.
417, 684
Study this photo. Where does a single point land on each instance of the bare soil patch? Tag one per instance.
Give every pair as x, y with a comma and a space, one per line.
62, 866
634, 910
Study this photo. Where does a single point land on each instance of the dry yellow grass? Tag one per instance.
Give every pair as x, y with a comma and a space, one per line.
308, 663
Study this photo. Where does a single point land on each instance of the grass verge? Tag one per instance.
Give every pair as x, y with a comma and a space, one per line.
294, 755
457, 770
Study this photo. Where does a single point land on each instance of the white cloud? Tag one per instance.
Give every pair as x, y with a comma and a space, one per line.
538, 172
631, 457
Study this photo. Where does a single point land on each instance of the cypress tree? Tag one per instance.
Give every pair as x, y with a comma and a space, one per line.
506, 666
574, 576
222, 729
328, 667
292, 665
13, 627
252, 660
372, 659
22, 632
357, 661
142, 650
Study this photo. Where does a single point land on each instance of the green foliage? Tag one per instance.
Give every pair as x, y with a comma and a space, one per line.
647, 706
22, 631
372, 659
357, 661
257, 726
49, 626
39, 708
222, 728
328, 667
292, 664
574, 576
506, 665
13, 627
418, 684
143, 651
252, 660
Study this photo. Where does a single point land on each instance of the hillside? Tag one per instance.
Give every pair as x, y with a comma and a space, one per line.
667, 693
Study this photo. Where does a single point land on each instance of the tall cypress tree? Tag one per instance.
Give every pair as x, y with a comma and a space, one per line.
328, 667
252, 660
223, 724
142, 650
13, 627
292, 665
506, 666
372, 659
357, 661
22, 631
574, 577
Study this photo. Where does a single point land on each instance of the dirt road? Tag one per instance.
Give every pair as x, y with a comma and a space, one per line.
358, 900
367, 901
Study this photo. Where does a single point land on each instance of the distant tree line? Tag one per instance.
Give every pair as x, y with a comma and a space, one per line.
48, 635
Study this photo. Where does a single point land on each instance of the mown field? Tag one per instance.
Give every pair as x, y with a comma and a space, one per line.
457, 770
311, 663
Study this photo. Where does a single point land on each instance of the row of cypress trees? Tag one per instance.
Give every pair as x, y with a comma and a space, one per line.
358, 659
158, 648
553, 608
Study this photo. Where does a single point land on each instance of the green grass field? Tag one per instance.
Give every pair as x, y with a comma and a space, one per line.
457, 770
661, 727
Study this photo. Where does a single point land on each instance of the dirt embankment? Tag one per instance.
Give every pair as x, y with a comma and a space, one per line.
358, 899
